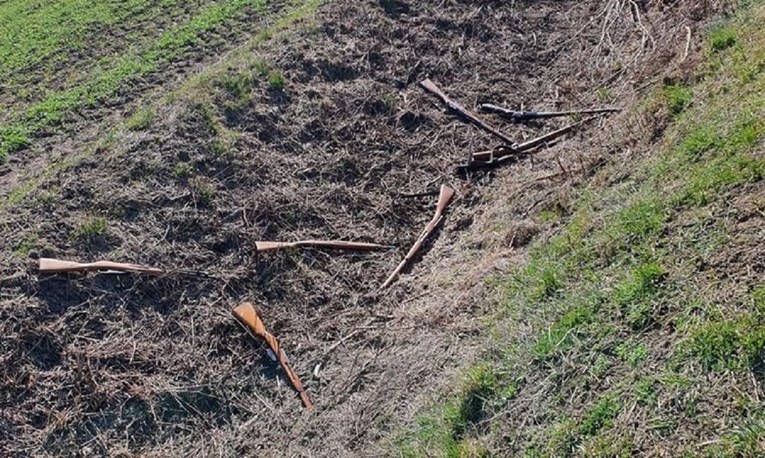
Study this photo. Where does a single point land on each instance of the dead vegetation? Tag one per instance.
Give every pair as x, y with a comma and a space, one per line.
314, 135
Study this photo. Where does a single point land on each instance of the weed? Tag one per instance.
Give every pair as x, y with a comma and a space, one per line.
557, 337
26, 245
202, 190
276, 80
91, 229
645, 391
260, 68
140, 120
678, 98
390, 100
632, 354
600, 416
182, 170
722, 38
728, 345
605, 94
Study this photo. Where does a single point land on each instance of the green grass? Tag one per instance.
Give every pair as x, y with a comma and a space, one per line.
190, 89
91, 229
115, 73
614, 313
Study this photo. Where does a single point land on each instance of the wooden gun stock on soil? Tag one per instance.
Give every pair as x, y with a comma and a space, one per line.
443, 200
517, 116
335, 245
57, 266
247, 315
431, 87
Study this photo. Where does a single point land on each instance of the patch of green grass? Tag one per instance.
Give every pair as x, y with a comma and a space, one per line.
450, 428
91, 229
560, 334
631, 353
722, 38
678, 98
643, 218
26, 245
276, 80
140, 120
746, 439
12, 139
182, 170
172, 44
646, 391
600, 416
636, 294
728, 345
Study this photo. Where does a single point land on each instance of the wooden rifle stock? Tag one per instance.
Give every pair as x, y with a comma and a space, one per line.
443, 200
431, 87
335, 245
247, 315
518, 116
526, 146
54, 266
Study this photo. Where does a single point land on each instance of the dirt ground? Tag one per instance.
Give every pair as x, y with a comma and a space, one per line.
125, 365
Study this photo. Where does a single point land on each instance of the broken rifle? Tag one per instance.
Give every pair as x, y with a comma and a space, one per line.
519, 116
248, 316
443, 200
495, 157
335, 245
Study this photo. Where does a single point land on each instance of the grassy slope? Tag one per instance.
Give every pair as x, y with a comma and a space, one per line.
617, 339
66, 26
233, 72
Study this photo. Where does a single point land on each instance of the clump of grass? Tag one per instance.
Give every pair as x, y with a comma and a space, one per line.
182, 170
12, 139
140, 120
728, 345
202, 190
276, 80
26, 245
678, 98
560, 333
600, 416
722, 38
91, 229
632, 354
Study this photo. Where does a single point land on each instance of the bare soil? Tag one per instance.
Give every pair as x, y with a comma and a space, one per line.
127, 366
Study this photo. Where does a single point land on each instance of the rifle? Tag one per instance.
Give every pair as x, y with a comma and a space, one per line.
247, 315
491, 157
55, 266
431, 87
443, 200
336, 245
519, 116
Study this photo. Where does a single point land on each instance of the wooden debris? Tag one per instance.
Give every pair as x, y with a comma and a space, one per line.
247, 315
519, 116
330, 244
500, 154
443, 200
56, 266
431, 87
